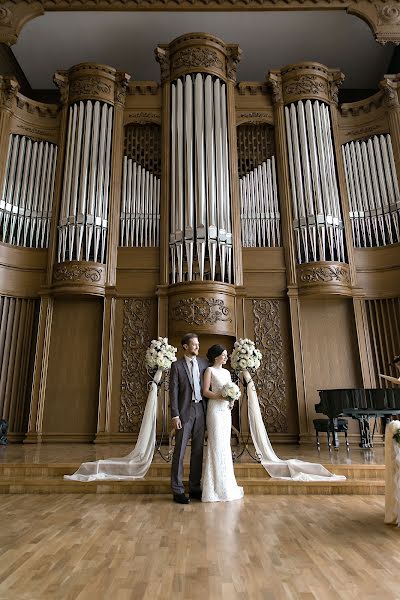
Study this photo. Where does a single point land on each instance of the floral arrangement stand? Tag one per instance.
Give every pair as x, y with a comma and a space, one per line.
392, 473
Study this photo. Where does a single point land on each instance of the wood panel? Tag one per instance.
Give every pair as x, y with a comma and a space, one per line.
72, 387
329, 351
22, 270
378, 271
137, 271
384, 335
264, 273
268, 323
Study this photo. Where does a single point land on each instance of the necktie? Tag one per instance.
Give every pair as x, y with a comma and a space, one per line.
196, 380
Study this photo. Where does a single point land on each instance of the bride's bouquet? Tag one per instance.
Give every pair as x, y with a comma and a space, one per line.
245, 356
160, 354
231, 392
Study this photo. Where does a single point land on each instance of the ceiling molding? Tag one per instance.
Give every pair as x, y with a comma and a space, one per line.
382, 16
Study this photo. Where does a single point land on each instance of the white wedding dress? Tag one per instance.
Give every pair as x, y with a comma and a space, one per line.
219, 482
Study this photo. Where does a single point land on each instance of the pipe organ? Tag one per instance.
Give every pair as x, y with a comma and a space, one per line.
132, 209
26, 205
200, 226
141, 187
373, 189
83, 219
259, 204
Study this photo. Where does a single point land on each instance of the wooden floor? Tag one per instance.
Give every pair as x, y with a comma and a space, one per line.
81, 547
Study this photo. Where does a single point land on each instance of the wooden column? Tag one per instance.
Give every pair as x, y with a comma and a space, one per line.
107, 347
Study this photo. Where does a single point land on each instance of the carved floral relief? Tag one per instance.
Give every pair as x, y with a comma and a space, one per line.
136, 338
271, 383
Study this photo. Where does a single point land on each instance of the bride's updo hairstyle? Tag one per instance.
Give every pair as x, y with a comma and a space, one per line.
215, 351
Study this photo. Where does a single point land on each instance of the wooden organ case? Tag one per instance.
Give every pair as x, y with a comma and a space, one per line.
133, 209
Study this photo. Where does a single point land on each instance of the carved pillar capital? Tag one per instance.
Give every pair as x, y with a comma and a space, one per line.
232, 61
335, 83
162, 57
92, 81
198, 53
60, 79
390, 87
274, 80
305, 81
8, 92
121, 84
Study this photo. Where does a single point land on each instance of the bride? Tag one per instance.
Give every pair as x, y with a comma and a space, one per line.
219, 483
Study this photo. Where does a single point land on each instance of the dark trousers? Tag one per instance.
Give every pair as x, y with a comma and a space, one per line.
193, 428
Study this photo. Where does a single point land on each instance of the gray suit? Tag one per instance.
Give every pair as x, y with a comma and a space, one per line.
193, 417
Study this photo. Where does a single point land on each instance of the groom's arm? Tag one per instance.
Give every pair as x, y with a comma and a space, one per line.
173, 391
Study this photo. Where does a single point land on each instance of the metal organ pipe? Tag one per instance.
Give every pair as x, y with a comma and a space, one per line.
83, 218
373, 191
140, 206
317, 218
200, 190
26, 203
260, 217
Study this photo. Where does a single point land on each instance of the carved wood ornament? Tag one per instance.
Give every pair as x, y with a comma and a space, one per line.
382, 16
200, 311
135, 341
271, 384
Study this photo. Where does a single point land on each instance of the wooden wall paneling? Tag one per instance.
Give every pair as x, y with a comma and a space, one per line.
139, 327
40, 364
384, 332
264, 272
268, 324
72, 387
329, 352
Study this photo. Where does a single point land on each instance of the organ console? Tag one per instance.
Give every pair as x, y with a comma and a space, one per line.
361, 404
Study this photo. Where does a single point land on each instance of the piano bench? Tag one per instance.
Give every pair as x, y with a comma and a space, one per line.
326, 426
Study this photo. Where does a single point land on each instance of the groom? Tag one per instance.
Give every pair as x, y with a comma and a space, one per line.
188, 412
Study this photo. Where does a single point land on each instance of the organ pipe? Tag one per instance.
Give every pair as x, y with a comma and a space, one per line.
83, 220
316, 209
373, 190
27, 199
200, 194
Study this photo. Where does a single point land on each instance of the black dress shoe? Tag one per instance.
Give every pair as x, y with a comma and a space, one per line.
195, 495
181, 499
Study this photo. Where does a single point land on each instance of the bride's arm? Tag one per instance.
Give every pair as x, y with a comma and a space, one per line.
207, 393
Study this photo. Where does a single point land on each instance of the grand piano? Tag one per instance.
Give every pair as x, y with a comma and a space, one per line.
361, 405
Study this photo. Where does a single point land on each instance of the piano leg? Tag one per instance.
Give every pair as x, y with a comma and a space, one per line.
365, 433
335, 436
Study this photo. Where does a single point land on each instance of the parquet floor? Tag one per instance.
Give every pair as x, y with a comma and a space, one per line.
81, 547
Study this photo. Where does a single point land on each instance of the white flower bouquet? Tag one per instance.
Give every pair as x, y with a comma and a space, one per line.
160, 354
396, 435
231, 392
245, 356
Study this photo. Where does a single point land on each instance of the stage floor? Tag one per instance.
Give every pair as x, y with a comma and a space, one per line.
77, 453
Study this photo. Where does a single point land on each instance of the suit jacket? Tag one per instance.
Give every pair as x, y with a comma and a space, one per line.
180, 388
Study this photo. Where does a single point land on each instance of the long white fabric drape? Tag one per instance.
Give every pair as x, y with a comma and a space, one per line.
136, 464
293, 469
392, 475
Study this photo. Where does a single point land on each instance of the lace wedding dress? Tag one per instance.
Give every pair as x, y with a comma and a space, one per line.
219, 483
